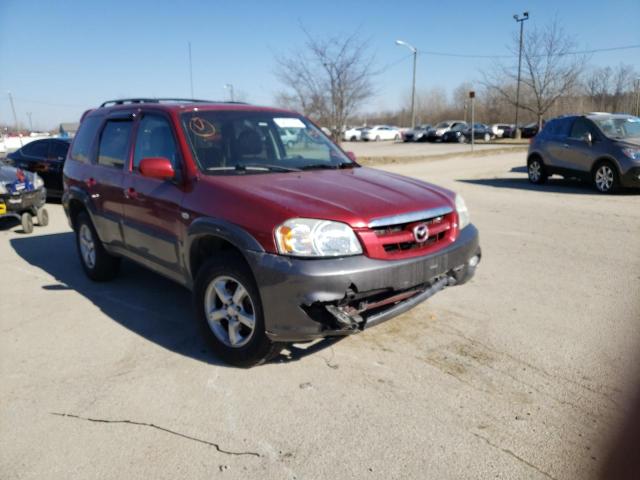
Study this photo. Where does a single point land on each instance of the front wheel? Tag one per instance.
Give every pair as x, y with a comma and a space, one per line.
97, 263
536, 172
396, 138
378, 138
43, 217
605, 178
487, 137
229, 312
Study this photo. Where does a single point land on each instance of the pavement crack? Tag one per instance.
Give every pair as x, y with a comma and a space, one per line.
510, 453
157, 427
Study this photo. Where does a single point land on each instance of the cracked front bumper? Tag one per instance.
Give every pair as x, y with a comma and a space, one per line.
292, 288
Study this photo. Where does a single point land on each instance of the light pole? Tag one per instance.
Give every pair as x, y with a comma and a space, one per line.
190, 70
30, 122
413, 88
229, 87
637, 84
521, 20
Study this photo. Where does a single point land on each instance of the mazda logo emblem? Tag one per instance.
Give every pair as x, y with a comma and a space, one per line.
421, 232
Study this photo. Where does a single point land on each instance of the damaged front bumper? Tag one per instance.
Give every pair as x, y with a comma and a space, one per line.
305, 299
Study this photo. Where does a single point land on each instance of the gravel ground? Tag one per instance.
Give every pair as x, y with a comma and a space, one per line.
522, 373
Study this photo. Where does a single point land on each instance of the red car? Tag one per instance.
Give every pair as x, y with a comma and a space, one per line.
279, 242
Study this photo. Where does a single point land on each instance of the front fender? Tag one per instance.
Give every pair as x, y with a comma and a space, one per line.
215, 227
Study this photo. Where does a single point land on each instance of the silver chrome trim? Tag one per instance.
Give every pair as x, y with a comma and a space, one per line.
409, 217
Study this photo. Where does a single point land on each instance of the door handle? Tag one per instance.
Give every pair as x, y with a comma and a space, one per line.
90, 182
130, 193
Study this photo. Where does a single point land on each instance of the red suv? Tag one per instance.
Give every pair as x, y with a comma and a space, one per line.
282, 238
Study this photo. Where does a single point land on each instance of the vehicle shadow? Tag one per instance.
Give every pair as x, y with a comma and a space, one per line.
555, 185
149, 305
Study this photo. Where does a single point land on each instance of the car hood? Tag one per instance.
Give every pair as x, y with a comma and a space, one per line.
628, 142
10, 174
354, 196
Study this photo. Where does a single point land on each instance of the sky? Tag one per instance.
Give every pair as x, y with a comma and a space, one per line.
60, 58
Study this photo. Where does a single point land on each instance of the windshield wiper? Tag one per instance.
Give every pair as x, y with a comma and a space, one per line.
328, 166
257, 167
266, 166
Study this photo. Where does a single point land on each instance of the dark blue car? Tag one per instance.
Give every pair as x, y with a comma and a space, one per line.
46, 158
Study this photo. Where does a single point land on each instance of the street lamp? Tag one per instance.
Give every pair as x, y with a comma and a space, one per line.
229, 87
521, 20
413, 88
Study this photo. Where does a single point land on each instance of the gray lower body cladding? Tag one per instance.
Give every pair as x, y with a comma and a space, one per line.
306, 299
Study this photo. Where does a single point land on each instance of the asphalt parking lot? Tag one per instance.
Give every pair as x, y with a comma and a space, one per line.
522, 373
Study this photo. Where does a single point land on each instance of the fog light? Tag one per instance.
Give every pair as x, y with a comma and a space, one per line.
473, 261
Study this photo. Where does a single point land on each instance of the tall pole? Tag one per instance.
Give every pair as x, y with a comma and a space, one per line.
637, 83
472, 96
521, 20
413, 87
190, 70
30, 122
413, 90
229, 86
15, 117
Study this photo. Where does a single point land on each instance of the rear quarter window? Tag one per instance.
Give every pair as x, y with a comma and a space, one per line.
81, 149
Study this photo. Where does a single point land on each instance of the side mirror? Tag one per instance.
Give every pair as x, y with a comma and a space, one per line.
157, 167
587, 138
352, 156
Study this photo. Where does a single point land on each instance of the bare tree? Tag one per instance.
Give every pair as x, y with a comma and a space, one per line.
327, 80
549, 70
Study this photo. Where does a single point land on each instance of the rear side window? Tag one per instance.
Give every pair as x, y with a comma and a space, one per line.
58, 151
114, 143
84, 139
581, 127
154, 139
36, 149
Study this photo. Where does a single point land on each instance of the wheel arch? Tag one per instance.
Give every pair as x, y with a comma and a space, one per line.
208, 236
535, 156
78, 201
605, 159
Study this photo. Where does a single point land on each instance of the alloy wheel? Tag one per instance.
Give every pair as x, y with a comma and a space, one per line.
230, 311
604, 178
535, 171
87, 246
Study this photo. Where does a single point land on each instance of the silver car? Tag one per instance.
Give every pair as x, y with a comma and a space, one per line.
601, 148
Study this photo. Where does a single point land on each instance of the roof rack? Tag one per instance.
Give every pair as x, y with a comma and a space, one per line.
123, 101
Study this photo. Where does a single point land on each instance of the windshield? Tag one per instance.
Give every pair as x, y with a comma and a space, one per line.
619, 127
459, 127
228, 142
442, 125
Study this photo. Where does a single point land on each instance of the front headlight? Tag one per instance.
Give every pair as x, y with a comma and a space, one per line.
308, 237
632, 153
463, 212
37, 182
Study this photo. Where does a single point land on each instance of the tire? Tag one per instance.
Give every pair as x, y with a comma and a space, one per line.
536, 171
220, 313
353, 138
396, 138
606, 178
99, 265
289, 144
378, 138
26, 219
462, 139
43, 217
487, 137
